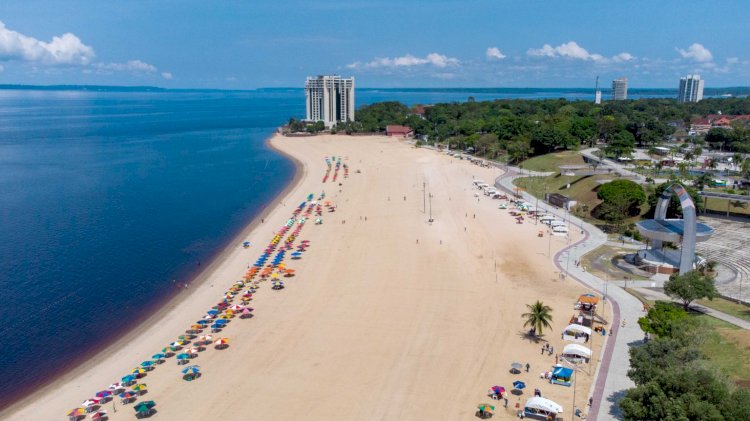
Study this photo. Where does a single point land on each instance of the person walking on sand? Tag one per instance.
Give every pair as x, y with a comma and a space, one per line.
528, 366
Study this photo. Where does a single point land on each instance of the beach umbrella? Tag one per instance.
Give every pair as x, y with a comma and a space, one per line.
206, 338
183, 337
115, 386
140, 387
203, 322
138, 370
144, 407
147, 364
103, 394
217, 326
77, 412
485, 407
158, 356
245, 312
183, 356
222, 321
191, 369
236, 307
213, 312
222, 341
519, 385
126, 395
90, 402
194, 350
498, 390
169, 349
99, 414
127, 379
516, 368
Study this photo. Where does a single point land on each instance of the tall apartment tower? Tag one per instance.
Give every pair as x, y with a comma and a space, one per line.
691, 89
329, 99
620, 89
597, 93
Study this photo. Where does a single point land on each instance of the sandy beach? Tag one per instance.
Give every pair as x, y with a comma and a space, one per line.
388, 317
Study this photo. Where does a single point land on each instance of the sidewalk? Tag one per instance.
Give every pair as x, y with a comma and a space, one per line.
611, 379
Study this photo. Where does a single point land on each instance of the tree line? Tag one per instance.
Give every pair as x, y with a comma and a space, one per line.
521, 128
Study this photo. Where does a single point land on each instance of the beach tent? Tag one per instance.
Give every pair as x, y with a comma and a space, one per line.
541, 407
576, 333
562, 376
576, 353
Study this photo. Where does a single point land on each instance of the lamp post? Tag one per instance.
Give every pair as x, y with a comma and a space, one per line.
430, 207
575, 383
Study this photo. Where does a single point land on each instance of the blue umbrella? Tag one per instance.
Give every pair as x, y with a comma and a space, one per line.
183, 356
147, 364
191, 369
213, 312
222, 321
519, 384
203, 322
127, 379
158, 356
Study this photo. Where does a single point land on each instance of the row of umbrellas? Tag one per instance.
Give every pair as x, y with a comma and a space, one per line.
216, 318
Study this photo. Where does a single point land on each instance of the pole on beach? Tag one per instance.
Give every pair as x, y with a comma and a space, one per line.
424, 199
575, 383
430, 207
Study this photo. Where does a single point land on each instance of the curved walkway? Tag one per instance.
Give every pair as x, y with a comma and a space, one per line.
611, 380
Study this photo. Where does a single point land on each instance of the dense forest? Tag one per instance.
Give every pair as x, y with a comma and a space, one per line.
519, 128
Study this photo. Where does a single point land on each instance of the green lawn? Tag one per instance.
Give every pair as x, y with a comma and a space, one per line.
729, 307
729, 349
552, 161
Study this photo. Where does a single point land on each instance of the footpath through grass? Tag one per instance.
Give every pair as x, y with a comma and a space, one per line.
729, 307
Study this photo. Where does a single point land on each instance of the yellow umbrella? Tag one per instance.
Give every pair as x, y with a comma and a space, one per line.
138, 371
139, 387
76, 412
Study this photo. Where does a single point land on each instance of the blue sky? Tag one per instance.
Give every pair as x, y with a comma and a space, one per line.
383, 43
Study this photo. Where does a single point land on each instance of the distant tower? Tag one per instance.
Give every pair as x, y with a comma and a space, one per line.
329, 99
597, 93
620, 89
691, 89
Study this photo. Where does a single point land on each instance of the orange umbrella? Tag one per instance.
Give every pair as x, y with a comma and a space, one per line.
76, 412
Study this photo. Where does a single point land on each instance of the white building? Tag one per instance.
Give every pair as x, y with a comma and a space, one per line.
691, 89
329, 99
620, 89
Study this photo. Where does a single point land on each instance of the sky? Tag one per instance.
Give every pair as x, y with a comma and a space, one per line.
248, 44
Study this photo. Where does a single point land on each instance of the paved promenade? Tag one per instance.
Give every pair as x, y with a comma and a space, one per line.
611, 381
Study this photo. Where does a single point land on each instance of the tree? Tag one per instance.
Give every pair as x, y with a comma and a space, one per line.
689, 287
622, 144
620, 199
538, 317
661, 318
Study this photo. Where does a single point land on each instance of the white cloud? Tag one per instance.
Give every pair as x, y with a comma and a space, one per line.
623, 57
696, 52
574, 51
733, 60
493, 53
64, 49
166, 75
408, 60
135, 66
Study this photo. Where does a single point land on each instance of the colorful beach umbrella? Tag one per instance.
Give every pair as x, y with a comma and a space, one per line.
99, 414
486, 407
498, 390
519, 385
144, 407
90, 402
140, 387
159, 356
126, 395
127, 379
77, 412
138, 370
183, 356
191, 369
222, 341
103, 394
115, 386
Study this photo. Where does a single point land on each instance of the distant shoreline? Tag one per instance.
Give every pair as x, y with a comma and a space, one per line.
708, 91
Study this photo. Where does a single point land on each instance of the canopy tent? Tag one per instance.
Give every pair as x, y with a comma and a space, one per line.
562, 376
588, 299
539, 405
575, 349
577, 333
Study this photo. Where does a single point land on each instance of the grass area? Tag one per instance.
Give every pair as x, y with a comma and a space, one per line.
729, 307
729, 349
720, 205
552, 161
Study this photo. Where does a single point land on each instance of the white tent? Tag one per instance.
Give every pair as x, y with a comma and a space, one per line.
543, 404
547, 217
577, 328
576, 349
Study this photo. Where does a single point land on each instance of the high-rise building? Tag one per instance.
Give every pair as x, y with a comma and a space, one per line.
329, 99
620, 89
691, 89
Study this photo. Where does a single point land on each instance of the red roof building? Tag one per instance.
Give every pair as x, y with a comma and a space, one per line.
399, 131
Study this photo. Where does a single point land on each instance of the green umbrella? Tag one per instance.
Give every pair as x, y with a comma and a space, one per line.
144, 407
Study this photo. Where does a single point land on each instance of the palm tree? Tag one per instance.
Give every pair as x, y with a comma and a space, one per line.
538, 317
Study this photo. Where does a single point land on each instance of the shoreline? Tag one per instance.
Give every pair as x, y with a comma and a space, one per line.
98, 355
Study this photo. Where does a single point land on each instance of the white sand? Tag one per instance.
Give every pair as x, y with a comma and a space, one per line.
374, 325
